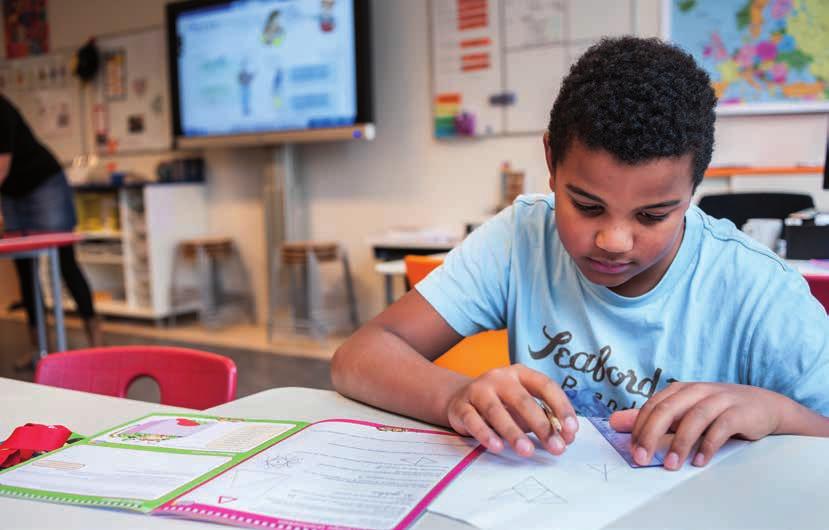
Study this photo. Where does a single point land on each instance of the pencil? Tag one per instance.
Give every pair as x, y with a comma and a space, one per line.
554, 423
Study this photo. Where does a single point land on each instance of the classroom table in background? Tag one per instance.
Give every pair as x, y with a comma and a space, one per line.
389, 254
395, 269
813, 267
778, 482
34, 246
391, 270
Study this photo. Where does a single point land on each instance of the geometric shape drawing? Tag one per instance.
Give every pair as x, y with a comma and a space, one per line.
279, 461
530, 491
422, 461
224, 499
604, 469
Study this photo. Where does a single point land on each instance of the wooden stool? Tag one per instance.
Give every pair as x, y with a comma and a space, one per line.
302, 259
217, 305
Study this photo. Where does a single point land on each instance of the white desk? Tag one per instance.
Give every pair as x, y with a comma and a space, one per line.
810, 267
779, 482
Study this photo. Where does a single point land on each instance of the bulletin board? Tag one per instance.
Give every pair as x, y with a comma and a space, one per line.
497, 65
49, 97
131, 110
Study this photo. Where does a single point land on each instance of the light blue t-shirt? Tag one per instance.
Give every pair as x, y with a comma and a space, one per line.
727, 310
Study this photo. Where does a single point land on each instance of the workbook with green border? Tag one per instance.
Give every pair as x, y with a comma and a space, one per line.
341, 473
148, 438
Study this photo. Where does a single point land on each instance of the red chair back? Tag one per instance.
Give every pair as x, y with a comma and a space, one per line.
186, 378
819, 286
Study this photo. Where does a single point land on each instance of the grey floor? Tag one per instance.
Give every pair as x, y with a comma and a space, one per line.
256, 371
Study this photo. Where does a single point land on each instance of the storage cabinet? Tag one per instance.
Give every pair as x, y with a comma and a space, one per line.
130, 237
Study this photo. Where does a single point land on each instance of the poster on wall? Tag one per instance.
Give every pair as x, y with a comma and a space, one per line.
131, 110
49, 97
763, 56
26, 28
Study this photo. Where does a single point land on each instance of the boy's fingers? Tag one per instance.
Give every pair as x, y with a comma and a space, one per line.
477, 427
624, 420
691, 427
659, 422
717, 434
496, 415
648, 408
540, 386
528, 411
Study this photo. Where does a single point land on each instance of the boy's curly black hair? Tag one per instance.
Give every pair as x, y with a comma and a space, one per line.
639, 99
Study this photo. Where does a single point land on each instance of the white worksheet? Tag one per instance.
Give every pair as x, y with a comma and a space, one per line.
112, 472
341, 473
588, 486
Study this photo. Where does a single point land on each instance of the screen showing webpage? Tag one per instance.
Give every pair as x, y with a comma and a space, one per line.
266, 65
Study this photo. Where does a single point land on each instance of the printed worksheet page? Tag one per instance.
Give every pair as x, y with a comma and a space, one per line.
341, 473
111, 472
195, 433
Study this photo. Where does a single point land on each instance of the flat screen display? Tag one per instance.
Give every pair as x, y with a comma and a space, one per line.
246, 67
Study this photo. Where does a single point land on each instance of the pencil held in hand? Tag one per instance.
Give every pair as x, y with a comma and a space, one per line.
551, 417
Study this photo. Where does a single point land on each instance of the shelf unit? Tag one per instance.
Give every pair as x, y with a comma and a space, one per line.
127, 253
724, 172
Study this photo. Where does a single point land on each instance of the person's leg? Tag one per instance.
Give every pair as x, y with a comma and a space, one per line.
24, 269
53, 210
79, 289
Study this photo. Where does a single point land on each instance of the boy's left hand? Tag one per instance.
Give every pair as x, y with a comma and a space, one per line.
710, 413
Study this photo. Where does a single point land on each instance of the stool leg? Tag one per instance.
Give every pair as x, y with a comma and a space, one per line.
313, 293
273, 291
297, 290
216, 281
173, 294
249, 302
349, 291
207, 301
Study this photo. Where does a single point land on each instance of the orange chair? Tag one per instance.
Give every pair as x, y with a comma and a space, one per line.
475, 354
186, 378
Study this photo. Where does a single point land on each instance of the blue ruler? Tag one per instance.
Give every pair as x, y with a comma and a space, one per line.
597, 413
621, 442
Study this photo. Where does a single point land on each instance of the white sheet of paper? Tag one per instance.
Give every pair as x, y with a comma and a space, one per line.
209, 435
589, 486
339, 473
112, 472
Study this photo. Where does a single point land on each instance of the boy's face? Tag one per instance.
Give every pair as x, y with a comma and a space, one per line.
621, 223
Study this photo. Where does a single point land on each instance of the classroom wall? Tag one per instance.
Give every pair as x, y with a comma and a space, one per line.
405, 177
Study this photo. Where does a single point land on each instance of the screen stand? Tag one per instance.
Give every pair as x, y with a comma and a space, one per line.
285, 216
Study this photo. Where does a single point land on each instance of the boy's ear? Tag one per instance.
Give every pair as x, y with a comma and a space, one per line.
548, 156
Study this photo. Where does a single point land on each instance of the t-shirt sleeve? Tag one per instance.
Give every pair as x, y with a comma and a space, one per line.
470, 289
7, 124
789, 348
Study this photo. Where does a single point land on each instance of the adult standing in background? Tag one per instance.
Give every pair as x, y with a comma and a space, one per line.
35, 197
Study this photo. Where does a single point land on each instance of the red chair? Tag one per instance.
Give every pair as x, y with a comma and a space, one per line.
186, 378
819, 286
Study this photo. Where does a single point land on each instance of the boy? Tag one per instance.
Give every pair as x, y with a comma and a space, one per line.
615, 284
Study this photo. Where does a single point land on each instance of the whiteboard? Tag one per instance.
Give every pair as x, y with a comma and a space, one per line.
131, 112
497, 65
49, 98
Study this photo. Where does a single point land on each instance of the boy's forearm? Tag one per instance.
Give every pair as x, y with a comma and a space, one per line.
797, 419
379, 368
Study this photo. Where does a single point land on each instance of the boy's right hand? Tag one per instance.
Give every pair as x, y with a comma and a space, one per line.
500, 404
